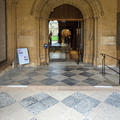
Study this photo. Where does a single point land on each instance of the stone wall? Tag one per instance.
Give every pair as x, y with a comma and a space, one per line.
11, 30
108, 30
118, 46
28, 28
2, 31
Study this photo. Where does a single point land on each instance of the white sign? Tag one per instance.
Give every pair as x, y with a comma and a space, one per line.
23, 56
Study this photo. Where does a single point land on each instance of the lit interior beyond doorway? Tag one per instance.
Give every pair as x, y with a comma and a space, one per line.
56, 48
64, 37
66, 34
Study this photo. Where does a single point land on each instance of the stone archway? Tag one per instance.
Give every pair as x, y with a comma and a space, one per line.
91, 10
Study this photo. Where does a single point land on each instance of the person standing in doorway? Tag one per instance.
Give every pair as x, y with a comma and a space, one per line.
50, 38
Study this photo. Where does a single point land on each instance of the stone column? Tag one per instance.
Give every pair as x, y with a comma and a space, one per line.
88, 40
11, 30
118, 30
44, 56
95, 62
38, 40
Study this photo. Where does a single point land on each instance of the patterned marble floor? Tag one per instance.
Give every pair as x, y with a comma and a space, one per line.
34, 104
59, 74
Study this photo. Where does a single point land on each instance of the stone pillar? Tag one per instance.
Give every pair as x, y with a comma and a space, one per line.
3, 41
11, 30
88, 40
118, 30
44, 56
85, 41
95, 62
38, 40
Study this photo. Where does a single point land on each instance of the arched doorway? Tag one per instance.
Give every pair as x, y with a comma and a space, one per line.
66, 25
91, 11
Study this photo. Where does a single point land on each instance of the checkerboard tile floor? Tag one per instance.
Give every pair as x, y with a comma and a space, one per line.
81, 102
59, 105
37, 103
5, 100
63, 74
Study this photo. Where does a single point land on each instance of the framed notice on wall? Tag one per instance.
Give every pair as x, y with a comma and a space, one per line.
23, 56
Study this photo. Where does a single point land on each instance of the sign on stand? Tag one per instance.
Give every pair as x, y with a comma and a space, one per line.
23, 57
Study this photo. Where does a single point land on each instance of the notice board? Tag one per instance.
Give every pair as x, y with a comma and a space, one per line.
23, 56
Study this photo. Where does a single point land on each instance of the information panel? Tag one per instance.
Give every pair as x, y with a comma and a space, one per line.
23, 56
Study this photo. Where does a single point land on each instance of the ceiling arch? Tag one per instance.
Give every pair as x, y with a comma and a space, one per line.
47, 10
65, 11
89, 8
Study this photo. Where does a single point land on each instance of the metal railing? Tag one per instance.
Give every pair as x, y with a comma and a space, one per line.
104, 65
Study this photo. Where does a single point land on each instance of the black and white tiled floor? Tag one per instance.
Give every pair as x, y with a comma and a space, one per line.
32, 104
5, 100
81, 102
59, 74
38, 103
29, 102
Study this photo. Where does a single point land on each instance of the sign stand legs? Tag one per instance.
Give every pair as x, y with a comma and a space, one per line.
20, 67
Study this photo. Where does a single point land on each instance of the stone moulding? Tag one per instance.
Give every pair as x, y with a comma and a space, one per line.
85, 6
91, 10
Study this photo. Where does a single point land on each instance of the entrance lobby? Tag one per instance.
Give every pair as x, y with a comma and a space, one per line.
59, 60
